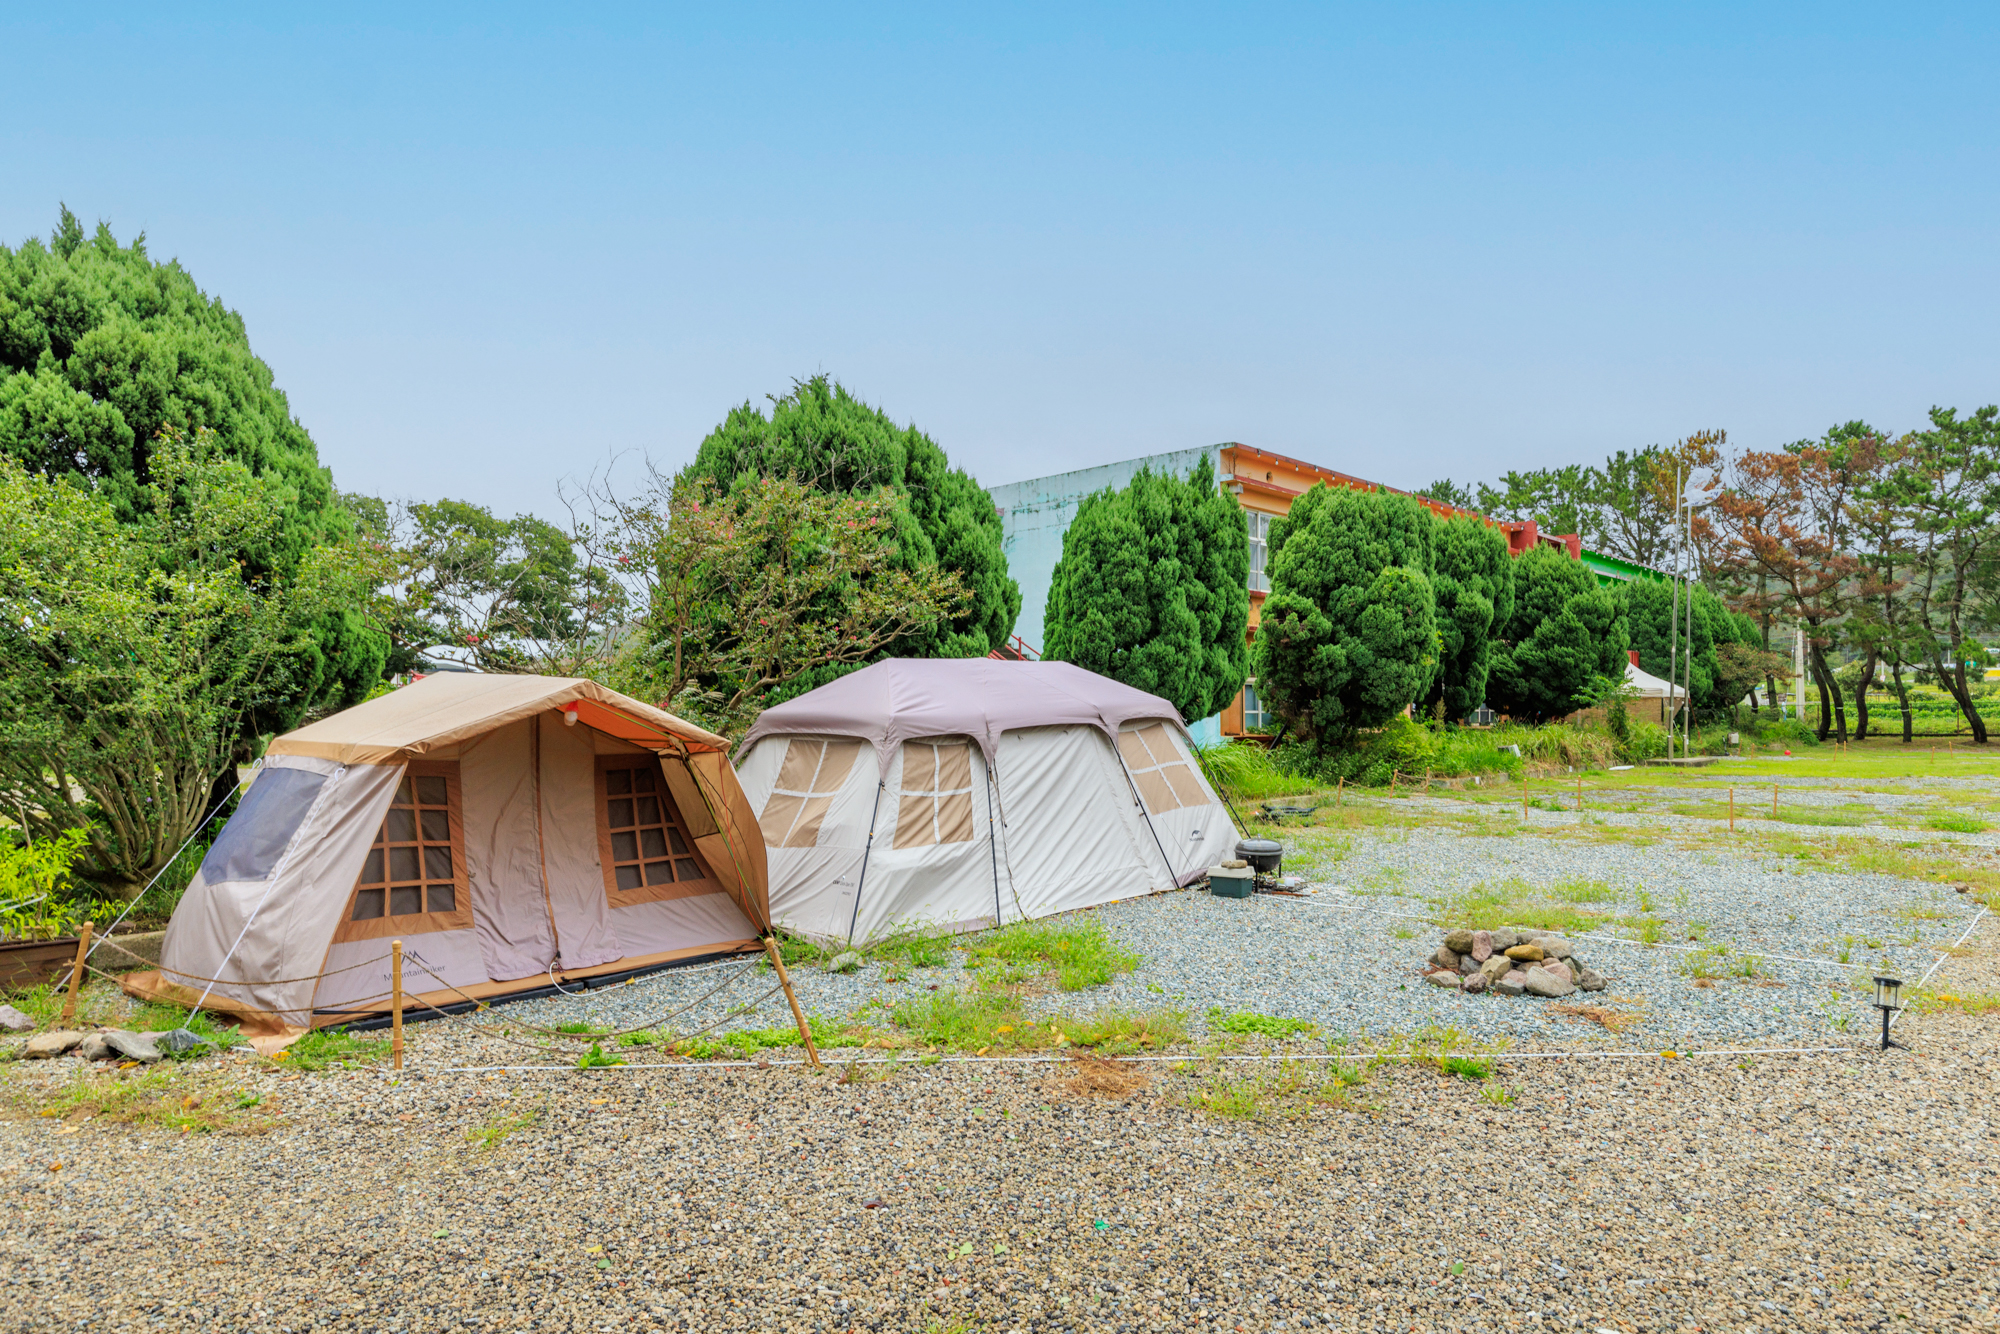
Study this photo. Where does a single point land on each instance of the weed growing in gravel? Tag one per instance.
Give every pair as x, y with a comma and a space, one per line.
987, 1019
1929, 1000
157, 1097
913, 947
1577, 889
502, 1124
1443, 1047
1291, 1089
1264, 1025
324, 1048
1952, 822
1511, 902
579, 1029
1080, 953
596, 1058
1497, 1095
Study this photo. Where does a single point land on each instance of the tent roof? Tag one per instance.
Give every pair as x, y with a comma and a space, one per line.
900, 698
1650, 686
452, 707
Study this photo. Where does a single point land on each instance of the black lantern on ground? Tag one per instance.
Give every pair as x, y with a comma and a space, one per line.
1888, 999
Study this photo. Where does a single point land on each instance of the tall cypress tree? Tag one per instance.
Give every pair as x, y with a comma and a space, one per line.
101, 349
832, 441
1349, 633
1153, 590
1474, 580
1564, 631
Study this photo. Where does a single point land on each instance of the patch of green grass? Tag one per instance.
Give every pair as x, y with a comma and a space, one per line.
1289, 1090
500, 1125
1263, 1025
994, 1019
1932, 1000
1447, 1050
1511, 902
577, 1028
326, 1048
1496, 1095
639, 1039
1080, 952
913, 947
1952, 822
161, 1096
1577, 889
1826, 819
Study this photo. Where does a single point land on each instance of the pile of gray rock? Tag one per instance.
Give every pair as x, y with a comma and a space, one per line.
1512, 961
111, 1044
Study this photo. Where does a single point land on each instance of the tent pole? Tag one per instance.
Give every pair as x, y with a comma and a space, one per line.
992, 839
881, 781
1173, 873
798, 1015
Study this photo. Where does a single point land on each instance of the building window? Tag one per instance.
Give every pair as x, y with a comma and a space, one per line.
1260, 539
1254, 717
641, 839
413, 878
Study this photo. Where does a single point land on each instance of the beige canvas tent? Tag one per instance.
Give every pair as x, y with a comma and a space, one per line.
966, 792
514, 832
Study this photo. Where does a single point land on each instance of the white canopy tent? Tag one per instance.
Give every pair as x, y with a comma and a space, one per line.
963, 793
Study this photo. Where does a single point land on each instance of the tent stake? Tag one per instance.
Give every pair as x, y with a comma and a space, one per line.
396, 1002
798, 1015
76, 973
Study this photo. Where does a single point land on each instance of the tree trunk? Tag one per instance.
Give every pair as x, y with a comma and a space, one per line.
1902, 698
1828, 686
1963, 695
1953, 680
1861, 696
1771, 696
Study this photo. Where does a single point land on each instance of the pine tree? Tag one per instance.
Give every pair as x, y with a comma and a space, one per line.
1152, 590
1349, 633
1474, 581
102, 349
834, 442
1565, 630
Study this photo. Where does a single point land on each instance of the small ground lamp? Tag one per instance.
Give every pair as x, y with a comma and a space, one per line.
1888, 999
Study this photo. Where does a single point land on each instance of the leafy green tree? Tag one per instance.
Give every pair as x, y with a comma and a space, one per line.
834, 442
1152, 590
1560, 500
133, 649
1565, 630
1474, 583
1448, 492
101, 350
753, 595
1349, 632
505, 595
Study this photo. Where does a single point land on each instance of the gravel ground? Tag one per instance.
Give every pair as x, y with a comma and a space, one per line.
1796, 1193
1347, 957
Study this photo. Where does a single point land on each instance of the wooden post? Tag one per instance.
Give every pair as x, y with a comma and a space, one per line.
76, 972
1340, 792
798, 1015
1392, 782
1579, 793
396, 1003
1524, 798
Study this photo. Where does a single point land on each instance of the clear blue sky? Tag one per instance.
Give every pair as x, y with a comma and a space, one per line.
485, 250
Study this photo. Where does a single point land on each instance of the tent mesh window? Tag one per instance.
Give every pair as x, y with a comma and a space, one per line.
1165, 780
934, 795
413, 878
642, 840
811, 774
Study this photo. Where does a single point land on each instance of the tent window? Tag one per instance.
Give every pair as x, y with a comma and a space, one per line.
1165, 780
811, 774
934, 801
642, 841
257, 835
413, 878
